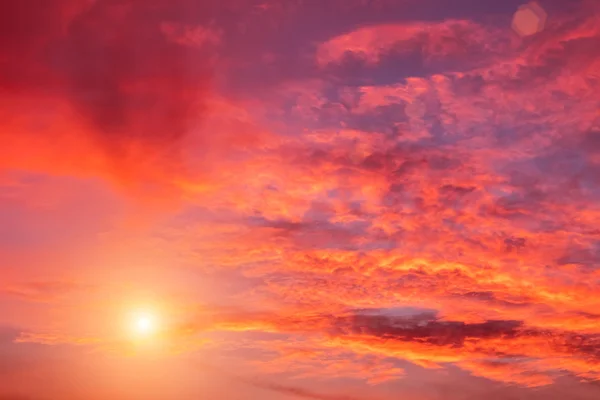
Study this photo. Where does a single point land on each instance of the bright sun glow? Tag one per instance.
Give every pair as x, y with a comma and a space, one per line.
145, 324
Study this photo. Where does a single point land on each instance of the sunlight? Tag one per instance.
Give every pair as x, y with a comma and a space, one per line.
144, 324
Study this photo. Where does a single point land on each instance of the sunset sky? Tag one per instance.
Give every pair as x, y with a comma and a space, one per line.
299, 199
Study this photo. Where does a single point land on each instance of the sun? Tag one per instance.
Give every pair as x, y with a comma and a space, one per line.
144, 323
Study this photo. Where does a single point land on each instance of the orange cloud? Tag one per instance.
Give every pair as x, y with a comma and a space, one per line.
81, 103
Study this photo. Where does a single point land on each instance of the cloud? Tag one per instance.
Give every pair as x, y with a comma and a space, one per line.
99, 87
425, 329
42, 291
505, 351
464, 40
55, 339
197, 36
347, 220
509, 372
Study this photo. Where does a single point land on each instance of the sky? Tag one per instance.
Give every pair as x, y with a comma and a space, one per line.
299, 199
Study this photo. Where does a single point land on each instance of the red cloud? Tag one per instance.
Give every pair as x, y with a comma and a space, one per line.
195, 36
444, 39
98, 89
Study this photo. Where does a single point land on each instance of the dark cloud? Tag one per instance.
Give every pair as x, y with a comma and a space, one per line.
583, 255
110, 59
129, 76
515, 243
425, 328
137, 92
454, 190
